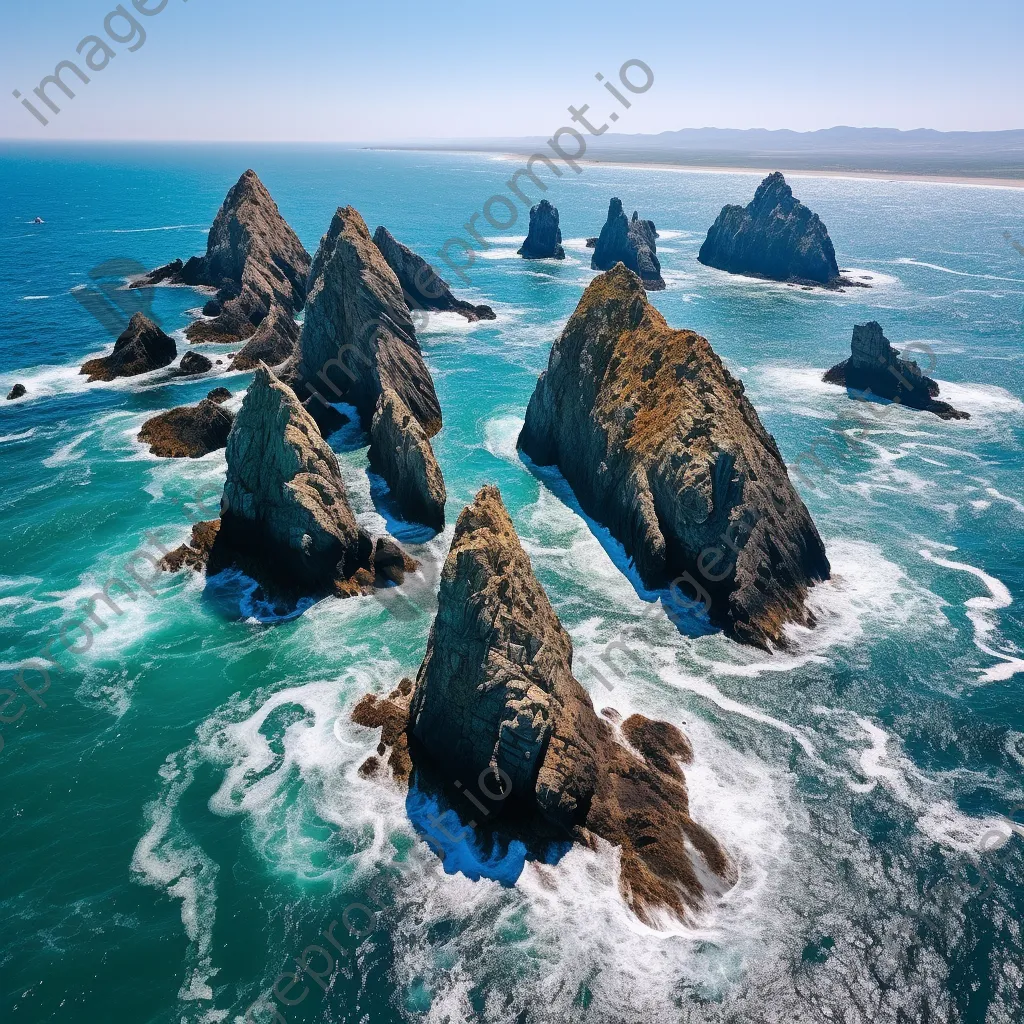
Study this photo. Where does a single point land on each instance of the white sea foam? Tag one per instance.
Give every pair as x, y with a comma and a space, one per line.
68, 452
906, 261
980, 612
34, 298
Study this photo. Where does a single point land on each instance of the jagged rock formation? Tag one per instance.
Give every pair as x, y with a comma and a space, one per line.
422, 286
219, 395
18, 391
775, 236
592, 242
659, 443
188, 431
495, 696
358, 336
141, 348
401, 453
285, 517
630, 242
876, 367
544, 239
259, 268
194, 363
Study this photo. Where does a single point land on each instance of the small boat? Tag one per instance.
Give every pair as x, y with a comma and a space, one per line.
39, 220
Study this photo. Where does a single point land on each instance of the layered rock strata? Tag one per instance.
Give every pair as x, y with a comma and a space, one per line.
544, 239
660, 444
774, 236
259, 268
876, 368
630, 242
141, 348
422, 286
495, 697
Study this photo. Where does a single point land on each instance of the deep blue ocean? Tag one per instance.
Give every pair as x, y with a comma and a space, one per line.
182, 815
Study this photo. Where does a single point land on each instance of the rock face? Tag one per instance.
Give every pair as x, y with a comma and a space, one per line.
141, 348
401, 453
18, 391
630, 242
495, 698
421, 284
194, 363
188, 431
285, 517
544, 239
259, 268
875, 366
775, 236
659, 443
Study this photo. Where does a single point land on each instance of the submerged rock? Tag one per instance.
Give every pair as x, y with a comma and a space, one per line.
18, 391
188, 431
141, 348
194, 363
401, 453
876, 367
544, 239
775, 236
630, 242
258, 266
422, 286
285, 516
495, 704
660, 444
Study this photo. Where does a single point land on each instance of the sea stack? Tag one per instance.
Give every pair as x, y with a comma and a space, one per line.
285, 517
660, 444
188, 431
495, 700
776, 237
422, 286
259, 268
630, 242
544, 239
141, 348
876, 368
194, 363
18, 391
359, 346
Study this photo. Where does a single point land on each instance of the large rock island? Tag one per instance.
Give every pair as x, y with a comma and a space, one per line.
544, 239
285, 517
495, 701
876, 368
630, 242
141, 348
660, 444
421, 284
776, 237
259, 268
359, 346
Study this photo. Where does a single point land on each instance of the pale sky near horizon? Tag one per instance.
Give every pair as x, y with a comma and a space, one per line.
391, 70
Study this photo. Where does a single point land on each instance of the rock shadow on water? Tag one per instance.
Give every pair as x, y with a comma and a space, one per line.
688, 616
467, 840
234, 596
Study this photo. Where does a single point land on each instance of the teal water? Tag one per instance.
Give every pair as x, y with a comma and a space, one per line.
184, 818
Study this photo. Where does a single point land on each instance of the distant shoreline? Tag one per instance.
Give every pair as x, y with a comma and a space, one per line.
666, 165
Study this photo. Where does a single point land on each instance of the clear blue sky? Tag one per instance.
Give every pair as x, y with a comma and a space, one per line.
335, 70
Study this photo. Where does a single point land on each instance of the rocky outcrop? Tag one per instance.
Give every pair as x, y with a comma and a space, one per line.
188, 431
544, 239
141, 348
660, 444
219, 395
285, 517
275, 342
422, 286
400, 451
630, 242
875, 367
495, 700
18, 391
775, 236
259, 268
194, 363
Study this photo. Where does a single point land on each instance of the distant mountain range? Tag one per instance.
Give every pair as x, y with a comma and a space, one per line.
882, 150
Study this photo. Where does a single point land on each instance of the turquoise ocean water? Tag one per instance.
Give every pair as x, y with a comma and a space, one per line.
184, 818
